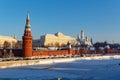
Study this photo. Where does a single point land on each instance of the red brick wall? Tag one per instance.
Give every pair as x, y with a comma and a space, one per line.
112, 51
50, 53
39, 53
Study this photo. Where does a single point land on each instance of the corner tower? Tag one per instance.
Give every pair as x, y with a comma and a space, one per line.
27, 39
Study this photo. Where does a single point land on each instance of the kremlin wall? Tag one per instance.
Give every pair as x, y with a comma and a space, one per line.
27, 51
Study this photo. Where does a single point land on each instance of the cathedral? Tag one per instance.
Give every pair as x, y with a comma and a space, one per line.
82, 40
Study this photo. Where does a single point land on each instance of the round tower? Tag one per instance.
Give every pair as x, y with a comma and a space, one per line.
27, 39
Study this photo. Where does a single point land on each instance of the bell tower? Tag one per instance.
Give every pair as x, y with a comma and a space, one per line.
27, 39
82, 34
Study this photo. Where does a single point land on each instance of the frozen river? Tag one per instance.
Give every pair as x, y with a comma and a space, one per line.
88, 69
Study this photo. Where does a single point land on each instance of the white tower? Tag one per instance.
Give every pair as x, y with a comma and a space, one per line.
78, 37
87, 38
82, 34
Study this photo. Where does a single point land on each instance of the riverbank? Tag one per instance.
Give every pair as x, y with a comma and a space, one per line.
8, 64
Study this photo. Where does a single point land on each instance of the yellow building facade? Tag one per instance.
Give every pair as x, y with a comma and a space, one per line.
8, 39
58, 39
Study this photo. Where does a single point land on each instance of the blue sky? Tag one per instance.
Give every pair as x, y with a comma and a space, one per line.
99, 18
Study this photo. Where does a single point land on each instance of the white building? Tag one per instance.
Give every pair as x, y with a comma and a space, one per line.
58, 39
83, 40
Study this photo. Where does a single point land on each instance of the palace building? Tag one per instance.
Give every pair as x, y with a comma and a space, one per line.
7, 39
57, 39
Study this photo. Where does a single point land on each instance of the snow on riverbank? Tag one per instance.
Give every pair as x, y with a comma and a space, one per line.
61, 60
83, 68
8, 64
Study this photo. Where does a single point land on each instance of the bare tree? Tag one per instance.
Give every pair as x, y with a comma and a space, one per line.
5, 55
63, 45
18, 44
13, 44
6, 45
57, 44
1, 55
11, 54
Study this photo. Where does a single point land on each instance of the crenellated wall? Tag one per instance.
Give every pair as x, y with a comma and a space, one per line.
47, 53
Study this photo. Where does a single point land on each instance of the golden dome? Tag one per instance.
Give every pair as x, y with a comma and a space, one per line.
82, 30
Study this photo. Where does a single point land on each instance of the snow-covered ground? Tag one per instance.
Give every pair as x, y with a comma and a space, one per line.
90, 68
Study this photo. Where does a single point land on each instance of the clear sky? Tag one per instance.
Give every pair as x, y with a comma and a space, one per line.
99, 18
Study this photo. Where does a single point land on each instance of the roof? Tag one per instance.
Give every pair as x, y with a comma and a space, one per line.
7, 38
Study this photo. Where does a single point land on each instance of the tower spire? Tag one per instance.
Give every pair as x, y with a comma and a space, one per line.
27, 26
28, 17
